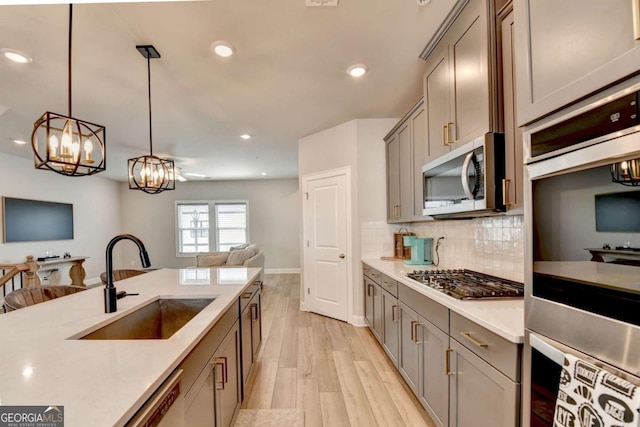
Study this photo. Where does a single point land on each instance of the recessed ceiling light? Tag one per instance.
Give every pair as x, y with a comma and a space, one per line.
19, 141
195, 175
245, 136
357, 70
263, 173
15, 56
223, 48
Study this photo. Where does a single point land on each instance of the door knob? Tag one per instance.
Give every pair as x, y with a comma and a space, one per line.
341, 256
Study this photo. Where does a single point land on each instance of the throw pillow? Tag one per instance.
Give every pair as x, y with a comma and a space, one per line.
239, 257
235, 248
253, 248
212, 260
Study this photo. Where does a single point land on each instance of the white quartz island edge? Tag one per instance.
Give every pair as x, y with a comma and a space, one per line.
103, 383
504, 317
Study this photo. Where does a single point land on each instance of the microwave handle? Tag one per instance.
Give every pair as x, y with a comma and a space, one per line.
463, 176
551, 352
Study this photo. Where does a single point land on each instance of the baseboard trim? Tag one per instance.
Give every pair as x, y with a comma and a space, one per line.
282, 271
358, 321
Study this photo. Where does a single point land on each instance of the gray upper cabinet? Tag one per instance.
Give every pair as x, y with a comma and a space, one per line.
402, 143
569, 49
457, 83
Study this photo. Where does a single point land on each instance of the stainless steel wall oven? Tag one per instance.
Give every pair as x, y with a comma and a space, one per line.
574, 305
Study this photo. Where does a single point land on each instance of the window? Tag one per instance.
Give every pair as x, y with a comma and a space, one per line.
193, 227
231, 224
227, 221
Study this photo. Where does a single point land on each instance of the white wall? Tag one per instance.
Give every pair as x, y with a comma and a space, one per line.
274, 220
96, 213
359, 145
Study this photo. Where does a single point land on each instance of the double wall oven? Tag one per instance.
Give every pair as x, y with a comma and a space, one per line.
574, 305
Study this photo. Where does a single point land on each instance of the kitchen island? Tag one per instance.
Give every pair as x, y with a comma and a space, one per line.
104, 382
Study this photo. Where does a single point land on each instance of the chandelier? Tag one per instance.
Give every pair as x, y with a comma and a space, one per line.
64, 144
626, 172
150, 173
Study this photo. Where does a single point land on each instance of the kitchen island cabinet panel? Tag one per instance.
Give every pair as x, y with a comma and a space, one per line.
569, 50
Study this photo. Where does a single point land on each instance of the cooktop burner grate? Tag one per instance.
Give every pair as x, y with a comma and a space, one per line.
467, 284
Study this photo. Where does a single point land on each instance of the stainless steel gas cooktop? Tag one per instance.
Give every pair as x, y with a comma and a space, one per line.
467, 284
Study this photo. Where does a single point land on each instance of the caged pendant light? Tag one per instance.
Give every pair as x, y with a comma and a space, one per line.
64, 144
626, 172
150, 174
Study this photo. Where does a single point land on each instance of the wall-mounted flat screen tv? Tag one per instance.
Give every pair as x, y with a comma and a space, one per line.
33, 220
618, 212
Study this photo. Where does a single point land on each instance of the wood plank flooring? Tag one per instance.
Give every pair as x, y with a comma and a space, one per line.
337, 373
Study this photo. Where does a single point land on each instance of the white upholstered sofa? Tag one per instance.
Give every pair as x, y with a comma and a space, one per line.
247, 255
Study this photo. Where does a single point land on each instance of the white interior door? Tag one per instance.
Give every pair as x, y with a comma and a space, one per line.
325, 245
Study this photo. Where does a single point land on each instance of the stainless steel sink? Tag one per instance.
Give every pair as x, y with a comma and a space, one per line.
158, 320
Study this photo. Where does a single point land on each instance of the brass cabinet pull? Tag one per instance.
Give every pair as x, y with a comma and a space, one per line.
413, 330
475, 342
636, 18
218, 362
447, 365
394, 316
449, 139
445, 134
505, 187
253, 307
247, 294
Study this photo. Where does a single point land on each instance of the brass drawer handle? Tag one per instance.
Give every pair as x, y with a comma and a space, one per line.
505, 195
475, 342
447, 365
247, 294
636, 18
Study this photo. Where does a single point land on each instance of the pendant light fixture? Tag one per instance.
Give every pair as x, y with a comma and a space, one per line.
67, 145
150, 174
626, 172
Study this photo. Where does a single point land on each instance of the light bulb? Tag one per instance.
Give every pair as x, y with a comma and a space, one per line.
75, 150
88, 149
53, 146
624, 165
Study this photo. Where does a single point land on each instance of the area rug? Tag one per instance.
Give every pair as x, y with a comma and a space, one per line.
270, 418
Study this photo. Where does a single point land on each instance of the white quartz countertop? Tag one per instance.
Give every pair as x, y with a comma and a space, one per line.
103, 383
504, 317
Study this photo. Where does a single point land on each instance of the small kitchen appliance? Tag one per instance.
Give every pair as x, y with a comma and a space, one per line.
420, 250
400, 250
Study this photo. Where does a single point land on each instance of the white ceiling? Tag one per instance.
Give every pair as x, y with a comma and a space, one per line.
287, 79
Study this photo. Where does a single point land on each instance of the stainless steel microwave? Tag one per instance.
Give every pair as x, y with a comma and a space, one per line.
467, 181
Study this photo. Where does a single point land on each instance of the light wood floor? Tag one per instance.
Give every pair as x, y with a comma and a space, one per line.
336, 372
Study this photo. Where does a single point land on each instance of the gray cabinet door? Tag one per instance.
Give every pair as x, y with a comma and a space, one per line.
200, 413
434, 384
514, 186
480, 395
247, 347
227, 378
437, 81
255, 308
393, 178
391, 326
377, 311
569, 49
406, 172
369, 287
468, 41
420, 157
409, 360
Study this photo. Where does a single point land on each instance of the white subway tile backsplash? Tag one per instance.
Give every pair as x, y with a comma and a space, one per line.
492, 245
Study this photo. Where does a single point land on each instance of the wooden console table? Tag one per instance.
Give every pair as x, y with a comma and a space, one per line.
599, 255
76, 272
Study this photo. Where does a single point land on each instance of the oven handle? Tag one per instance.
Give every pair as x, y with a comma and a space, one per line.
464, 177
551, 352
